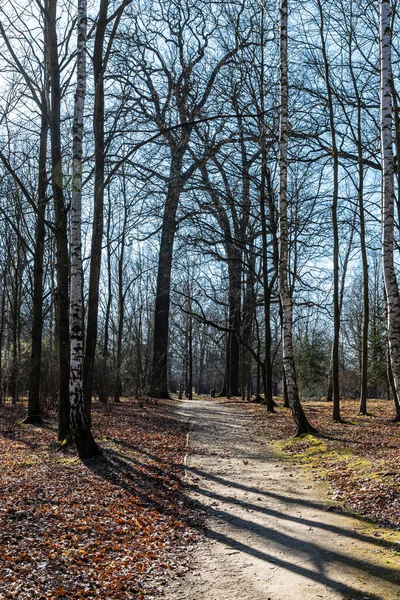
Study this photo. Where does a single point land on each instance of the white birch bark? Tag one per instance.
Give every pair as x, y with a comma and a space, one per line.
388, 192
80, 428
302, 425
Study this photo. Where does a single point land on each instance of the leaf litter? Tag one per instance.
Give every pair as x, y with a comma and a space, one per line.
112, 527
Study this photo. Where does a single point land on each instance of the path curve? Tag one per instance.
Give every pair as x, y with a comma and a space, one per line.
271, 531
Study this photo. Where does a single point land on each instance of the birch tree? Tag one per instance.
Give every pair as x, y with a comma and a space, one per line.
302, 424
388, 192
80, 427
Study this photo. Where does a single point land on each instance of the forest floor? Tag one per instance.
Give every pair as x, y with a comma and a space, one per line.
108, 528
202, 500
276, 530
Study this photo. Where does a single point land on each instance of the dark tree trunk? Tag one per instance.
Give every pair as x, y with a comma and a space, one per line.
62, 301
190, 366
159, 377
138, 358
200, 383
121, 303
103, 384
267, 372
266, 188
97, 230
15, 310
235, 289
258, 399
248, 317
34, 415
329, 394
2, 315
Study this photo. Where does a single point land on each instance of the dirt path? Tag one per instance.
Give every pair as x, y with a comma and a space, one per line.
271, 531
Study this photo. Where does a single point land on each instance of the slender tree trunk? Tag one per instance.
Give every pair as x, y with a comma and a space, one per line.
121, 299
103, 388
80, 426
335, 194
388, 194
301, 422
37, 312
235, 292
267, 371
190, 348
2, 318
15, 310
200, 382
258, 399
365, 326
62, 304
329, 394
248, 318
364, 257
265, 183
97, 229
138, 356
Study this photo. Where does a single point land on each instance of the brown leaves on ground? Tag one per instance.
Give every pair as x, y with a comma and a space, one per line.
111, 527
360, 458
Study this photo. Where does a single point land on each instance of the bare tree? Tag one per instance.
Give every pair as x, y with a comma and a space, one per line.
301, 422
388, 195
80, 427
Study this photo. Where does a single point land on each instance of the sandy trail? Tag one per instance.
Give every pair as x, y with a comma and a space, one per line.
271, 533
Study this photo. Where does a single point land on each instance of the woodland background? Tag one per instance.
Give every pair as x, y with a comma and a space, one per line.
179, 187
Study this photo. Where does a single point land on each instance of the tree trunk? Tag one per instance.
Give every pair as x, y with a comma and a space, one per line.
267, 371
97, 229
284, 390
159, 377
121, 299
365, 326
62, 304
190, 348
37, 311
335, 194
2, 318
301, 422
103, 384
388, 195
393, 388
15, 310
80, 426
248, 318
265, 187
329, 393
200, 382
235, 292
